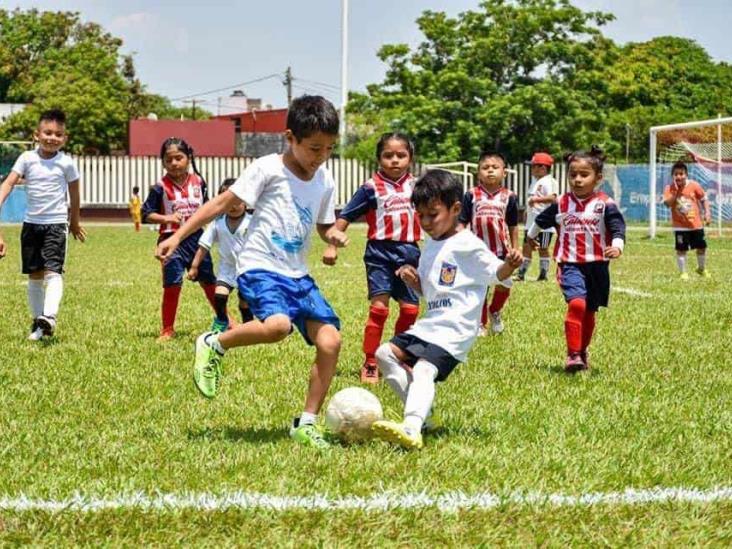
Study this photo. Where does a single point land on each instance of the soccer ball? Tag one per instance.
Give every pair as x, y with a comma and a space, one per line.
351, 412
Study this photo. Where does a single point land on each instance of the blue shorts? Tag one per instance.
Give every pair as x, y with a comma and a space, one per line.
180, 261
590, 281
382, 259
269, 293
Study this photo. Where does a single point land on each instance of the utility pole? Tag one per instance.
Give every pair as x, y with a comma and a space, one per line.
193, 107
627, 142
344, 72
288, 85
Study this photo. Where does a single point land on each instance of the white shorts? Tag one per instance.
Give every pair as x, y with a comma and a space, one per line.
227, 274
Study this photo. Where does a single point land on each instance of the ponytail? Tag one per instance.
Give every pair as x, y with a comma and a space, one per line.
595, 157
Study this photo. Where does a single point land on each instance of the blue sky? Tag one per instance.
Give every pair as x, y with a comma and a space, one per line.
182, 48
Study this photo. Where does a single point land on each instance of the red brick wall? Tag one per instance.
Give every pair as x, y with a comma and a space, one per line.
207, 137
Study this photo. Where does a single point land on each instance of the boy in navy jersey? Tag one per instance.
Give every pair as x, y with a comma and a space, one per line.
454, 272
590, 232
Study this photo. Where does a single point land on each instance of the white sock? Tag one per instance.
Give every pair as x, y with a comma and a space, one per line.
544, 264
54, 293
35, 296
701, 261
306, 418
396, 376
681, 263
213, 342
525, 264
421, 394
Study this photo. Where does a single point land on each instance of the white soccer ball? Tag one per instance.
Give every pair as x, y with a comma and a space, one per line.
351, 412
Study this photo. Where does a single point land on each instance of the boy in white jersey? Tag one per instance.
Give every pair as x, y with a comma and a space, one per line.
455, 270
229, 231
49, 174
291, 194
542, 193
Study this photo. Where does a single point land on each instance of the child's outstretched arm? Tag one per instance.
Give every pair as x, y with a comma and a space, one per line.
75, 225
330, 234
513, 261
203, 215
7, 186
330, 255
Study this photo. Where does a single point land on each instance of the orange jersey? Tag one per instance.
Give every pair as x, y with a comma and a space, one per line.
686, 211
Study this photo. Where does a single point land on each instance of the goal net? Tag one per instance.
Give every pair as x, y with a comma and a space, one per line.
706, 148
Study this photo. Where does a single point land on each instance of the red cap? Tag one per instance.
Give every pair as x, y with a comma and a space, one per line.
542, 159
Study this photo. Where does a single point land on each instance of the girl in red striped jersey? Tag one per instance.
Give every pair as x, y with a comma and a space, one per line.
491, 212
393, 232
174, 199
591, 231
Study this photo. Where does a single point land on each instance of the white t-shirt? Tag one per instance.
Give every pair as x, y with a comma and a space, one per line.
541, 188
455, 274
46, 182
230, 243
286, 210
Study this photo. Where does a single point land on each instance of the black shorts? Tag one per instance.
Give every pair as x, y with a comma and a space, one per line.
544, 238
416, 348
43, 247
690, 239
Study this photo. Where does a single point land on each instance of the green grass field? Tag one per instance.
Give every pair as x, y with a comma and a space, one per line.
101, 412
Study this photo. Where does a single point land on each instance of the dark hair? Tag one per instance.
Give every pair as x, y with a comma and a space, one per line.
494, 154
397, 136
680, 166
309, 114
437, 185
53, 115
186, 149
135, 189
595, 157
226, 183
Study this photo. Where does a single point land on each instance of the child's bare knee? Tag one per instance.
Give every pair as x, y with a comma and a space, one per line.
329, 341
278, 327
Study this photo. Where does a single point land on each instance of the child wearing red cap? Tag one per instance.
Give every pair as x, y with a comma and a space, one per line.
542, 194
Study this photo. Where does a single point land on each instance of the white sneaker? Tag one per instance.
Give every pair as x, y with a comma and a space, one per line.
496, 324
35, 335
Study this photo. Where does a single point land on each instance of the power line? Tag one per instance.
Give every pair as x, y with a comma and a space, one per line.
323, 84
241, 84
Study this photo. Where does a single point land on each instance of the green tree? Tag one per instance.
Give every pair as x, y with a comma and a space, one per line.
52, 59
510, 76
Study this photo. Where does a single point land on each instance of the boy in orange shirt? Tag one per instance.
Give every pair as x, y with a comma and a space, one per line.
686, 198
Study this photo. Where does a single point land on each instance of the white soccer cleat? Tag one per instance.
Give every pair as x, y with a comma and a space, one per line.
496, 323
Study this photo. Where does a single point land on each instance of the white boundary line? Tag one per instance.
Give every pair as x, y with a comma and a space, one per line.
448, 502
631, 291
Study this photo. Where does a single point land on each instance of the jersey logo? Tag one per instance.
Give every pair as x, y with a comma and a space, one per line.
447, 274
599, 207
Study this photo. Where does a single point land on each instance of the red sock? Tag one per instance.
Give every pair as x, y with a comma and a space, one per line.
500, 296
484, 313
210, 291
171, 295
588, 326
137, 226
407, 315
573, 324
373, 330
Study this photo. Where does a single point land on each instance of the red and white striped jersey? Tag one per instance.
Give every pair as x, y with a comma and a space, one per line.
583, 231
393, 218
184, 199
490, 214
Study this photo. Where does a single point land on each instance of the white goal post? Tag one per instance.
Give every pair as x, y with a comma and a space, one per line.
654, 131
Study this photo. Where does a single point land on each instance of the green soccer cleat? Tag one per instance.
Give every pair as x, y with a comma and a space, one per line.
309, 435
397, 433
219, 326
684, 276
206, 367
703, 273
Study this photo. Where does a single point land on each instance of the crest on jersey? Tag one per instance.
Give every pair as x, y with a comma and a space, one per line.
196, 191
447, 274
599, 208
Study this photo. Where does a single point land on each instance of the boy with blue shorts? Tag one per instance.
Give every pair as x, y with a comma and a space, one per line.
291, 194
